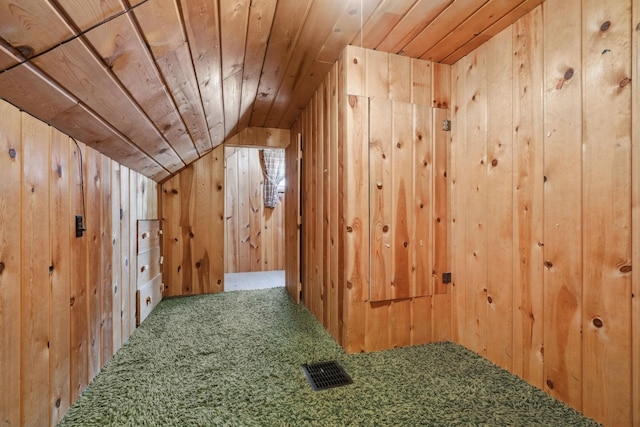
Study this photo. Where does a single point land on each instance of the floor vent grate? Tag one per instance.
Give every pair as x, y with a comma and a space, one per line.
324, 375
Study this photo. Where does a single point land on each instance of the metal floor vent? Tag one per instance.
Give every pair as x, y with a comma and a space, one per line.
324, 375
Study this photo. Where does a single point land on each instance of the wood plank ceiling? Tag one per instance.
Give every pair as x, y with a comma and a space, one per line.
156, 84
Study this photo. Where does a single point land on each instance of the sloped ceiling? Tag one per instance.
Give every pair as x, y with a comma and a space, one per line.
156, 84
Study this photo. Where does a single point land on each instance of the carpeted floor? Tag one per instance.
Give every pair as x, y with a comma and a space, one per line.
234, 359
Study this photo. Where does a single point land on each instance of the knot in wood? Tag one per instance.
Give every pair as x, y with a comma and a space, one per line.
405, 244
489, 299
626, 269
568, 74
385, 228
198, 264
12, 153
550, 384
597, 322
548, 264
605, 26
219, 281
494, 162
625, 81
349, 285
72, 301
174, 191
1, 267
349, 229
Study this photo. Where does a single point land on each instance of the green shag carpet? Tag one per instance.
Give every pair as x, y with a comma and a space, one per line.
234, 359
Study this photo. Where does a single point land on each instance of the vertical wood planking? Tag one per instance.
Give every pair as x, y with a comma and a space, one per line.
355, 232
381, 199
528, 201
354, 71
133, 246
402, 156
635, 227
422, 81
563, 201
441, 86
606, 311
217, 220
116, 257
244, 212
106, 325
127, 306
256, 188
35, 258
93, 234
56, 307
499, 170
422, 201
458, 176
440, 208
475, 189
201, 227
10, 250
79, 299
61, 225
377, 74
231, 210
333, 118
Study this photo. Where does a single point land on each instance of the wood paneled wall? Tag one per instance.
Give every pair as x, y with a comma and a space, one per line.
374, 202
192, 209
541, 204
66, 304
254, 235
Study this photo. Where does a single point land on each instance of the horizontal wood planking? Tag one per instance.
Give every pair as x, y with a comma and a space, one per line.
55, 313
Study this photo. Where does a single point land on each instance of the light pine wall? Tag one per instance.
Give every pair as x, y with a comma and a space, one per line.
66, 304
541, 204
374, 201
254, 235
192, 209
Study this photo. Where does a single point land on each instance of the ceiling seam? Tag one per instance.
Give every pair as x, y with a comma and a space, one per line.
185, 35
136, 25
80, 35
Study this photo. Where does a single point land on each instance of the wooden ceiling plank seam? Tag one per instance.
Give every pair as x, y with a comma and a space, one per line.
261, 18
172, 54
234, 19
347, 27
167, 94
29, 24
383, 20
276, 62
87, 15
108, 41
74, 68
522, 9
206, 57
447, 21
72, 30
81, 37
62, 93
491, 12
412, 23
323, 16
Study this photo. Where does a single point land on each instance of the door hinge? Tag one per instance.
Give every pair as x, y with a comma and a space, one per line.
446, 125
446, 277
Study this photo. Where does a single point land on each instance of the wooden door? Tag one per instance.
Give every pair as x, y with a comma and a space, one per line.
293, 223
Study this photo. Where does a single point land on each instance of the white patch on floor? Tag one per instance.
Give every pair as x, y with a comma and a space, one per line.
256, 280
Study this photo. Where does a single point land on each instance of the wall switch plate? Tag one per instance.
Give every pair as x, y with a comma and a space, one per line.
79, 226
